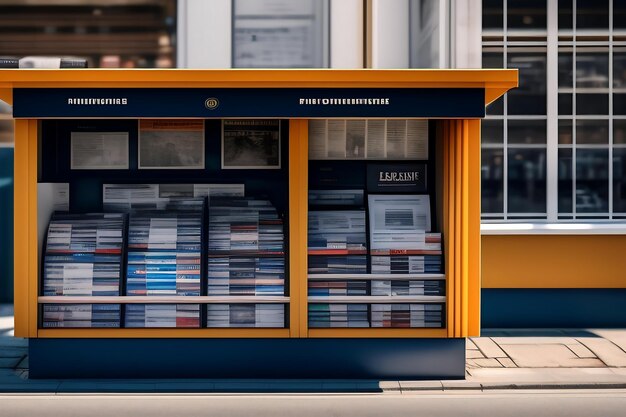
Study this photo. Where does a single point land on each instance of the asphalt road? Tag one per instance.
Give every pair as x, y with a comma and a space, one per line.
604, 403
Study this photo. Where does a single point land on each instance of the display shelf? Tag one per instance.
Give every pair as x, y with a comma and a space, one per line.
372, 277
377, 299
163, 300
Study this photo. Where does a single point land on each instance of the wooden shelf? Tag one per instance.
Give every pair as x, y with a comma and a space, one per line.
247, 299
377, 299
370, 277
377, 332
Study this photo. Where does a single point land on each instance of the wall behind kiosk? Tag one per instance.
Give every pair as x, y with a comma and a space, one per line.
86, 185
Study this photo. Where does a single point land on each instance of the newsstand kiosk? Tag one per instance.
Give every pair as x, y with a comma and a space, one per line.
248, 223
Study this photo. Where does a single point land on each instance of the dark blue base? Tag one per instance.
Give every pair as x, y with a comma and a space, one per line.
395, 359
553, 308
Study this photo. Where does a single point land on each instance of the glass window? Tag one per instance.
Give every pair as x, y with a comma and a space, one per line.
565, 180
425, 25
619, 131
565, 132
592, 68
565, 104
280, 34
526, 14
492, 131
565, 68
526, 184
592, 132
592, 103
530, 96
527, 132
565, 14
493, 14
619, 180
592, 14
592, 180
494, 58
619, 14
492, 175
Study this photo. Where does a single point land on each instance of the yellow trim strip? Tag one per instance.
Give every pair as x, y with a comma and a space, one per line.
473, 215
21, 224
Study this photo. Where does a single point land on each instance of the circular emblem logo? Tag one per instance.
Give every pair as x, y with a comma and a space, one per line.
211, 103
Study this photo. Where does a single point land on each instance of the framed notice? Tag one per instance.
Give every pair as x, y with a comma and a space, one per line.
251, 144
171, 144
99, 150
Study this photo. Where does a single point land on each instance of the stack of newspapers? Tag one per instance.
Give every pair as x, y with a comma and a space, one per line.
338, 315
337, 288
246, 315
246, 258
408, 287
83, 257
407, 315
164, 259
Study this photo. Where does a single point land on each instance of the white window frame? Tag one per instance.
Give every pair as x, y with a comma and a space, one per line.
516, 223
204, 34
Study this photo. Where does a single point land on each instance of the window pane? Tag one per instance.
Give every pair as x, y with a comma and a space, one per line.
493, 14
592, 68
565, 104
619, 131
565, 14
619, 14
592, 132
619, 67
592, 103
619, 180
424, 32
619, 104
526, 14
592, 14
279, 34
565, 180
492, 131
527, 131
565, 132
566, 68
530, 96
492, 191
526, 185
592, 180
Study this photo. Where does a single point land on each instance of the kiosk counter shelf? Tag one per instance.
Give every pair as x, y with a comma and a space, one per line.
248, 223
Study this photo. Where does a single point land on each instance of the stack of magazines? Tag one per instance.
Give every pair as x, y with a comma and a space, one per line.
83, 256
408, 287
337, 288
407, 315
246, 258
246, 315
162, 315
338, 315
164, 259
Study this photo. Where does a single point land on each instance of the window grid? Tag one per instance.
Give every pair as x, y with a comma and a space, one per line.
578, 41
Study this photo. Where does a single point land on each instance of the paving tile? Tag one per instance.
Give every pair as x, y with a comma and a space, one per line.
617, 336
12, 352
13, 342
460, 385
10, 363
390, 385
421, 386
488, 347
606, 350
469, 345
507, 363
487, 363
547, 356
536, 340
548, 375
473, 354
470, 364
581, 351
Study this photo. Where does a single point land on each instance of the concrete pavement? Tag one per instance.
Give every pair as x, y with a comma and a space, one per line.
501, 359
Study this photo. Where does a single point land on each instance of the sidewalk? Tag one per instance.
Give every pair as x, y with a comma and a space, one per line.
501, 359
